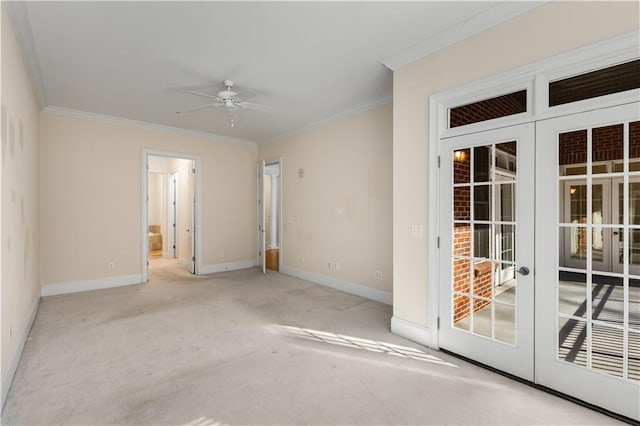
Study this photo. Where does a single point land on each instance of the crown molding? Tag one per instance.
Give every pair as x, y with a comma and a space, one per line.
341, 115
19, 18
67, 112
480, 22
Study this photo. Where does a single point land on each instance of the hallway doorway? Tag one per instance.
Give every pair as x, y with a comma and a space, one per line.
170, 210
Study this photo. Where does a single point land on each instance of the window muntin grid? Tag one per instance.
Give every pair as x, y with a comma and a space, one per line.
484, 219
598, 302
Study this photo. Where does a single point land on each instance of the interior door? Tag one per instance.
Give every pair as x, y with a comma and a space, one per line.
192, 218
486, 235
587, 318
261, 218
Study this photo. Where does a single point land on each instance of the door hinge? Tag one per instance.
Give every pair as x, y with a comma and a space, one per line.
438, 325
193, 170
174, 247
193, 258
438, 161
438, 242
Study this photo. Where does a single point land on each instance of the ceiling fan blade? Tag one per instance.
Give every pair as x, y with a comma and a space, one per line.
258, 107
206, 95
198, 108
245, 94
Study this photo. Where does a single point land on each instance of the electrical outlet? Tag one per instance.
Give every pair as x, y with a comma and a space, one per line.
329, 265
378, 275
221, 253
111, 265
417, 231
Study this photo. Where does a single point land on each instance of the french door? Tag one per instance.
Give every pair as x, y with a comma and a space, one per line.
587, 299
487, 251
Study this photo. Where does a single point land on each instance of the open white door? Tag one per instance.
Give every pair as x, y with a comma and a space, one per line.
192, 217
261, 219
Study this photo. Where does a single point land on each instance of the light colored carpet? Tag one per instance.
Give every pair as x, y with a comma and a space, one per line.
246, 348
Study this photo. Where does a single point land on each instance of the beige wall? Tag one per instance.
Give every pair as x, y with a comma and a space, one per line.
550, 29
20, 288
90, 218
340, 211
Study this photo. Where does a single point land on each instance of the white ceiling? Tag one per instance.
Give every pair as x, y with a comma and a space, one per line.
311, 60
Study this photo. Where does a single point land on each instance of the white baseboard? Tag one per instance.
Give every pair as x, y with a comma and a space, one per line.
86, 285
7, 379
346, 286
230, 266
412, 331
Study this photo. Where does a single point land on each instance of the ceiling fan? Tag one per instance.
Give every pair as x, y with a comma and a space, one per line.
231, 100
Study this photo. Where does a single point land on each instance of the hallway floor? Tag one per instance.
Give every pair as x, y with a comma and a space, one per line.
246, 348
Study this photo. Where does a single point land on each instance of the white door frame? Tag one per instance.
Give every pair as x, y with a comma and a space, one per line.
144, 219
261, 214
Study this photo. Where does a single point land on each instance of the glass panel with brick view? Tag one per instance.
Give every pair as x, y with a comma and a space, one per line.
598, 306
484, 240
613, 79
488, 109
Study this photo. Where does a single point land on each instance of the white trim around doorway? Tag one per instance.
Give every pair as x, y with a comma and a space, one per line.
144, 226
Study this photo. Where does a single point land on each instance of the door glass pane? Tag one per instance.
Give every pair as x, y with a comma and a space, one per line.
506, 161
482, 240
634, 304
634, 357
607, 299
505, 202
482, 317
572, 293
572, 341
578, 203
505, 323
505, 238
597, 248
462, 274
462, 203
634, 247
461, 312
461, 165
482, 202
634, 142
482, 163
505, 283
606, 145
597, 204
606, 349
634, 203
575, 243
483, 279
572, 149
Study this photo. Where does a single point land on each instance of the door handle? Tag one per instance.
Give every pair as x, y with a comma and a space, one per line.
523, 270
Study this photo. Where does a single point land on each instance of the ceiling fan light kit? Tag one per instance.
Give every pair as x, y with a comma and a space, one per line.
231, 100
